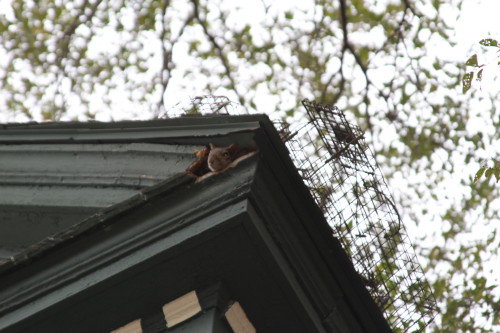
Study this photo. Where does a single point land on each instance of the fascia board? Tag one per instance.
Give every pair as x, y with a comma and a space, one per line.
300, 250
336, 269
128, 124
274, 252
191, 128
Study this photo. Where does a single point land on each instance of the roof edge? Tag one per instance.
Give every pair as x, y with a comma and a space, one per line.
129, 131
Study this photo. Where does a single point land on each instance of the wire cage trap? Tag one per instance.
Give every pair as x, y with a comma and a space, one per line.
342, 175
204, 105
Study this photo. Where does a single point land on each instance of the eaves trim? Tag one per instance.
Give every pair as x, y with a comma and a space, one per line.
61, 134
95, 220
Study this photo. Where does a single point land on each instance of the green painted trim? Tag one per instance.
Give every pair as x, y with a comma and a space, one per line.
64, 133
80, 262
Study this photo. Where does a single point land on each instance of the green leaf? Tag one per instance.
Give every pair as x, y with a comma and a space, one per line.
479, 173
466, 81
488, 173
364, 54
472, 61
479, 75
488, 42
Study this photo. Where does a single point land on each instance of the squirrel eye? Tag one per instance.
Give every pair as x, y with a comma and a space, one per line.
225, 154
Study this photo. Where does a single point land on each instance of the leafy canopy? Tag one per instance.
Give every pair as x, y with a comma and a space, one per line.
389, 64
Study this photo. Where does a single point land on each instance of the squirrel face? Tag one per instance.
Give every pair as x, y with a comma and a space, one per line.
220, 158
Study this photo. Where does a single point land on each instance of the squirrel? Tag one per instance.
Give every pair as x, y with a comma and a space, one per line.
212, 160
220, 158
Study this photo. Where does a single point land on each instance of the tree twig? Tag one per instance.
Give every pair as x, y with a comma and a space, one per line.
63, 42
218, 51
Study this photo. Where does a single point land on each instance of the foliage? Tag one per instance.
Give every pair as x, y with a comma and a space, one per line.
478, 68
390, 64
488, 171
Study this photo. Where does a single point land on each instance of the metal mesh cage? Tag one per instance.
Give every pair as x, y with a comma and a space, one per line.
204, 105
341, 173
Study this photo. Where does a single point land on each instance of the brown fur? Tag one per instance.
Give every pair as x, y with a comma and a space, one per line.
220, 158
199, 167
212, 160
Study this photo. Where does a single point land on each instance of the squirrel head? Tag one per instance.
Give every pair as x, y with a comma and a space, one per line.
220, 158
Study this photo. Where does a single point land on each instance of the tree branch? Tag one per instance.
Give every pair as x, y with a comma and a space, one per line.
62, 50
63, 42
218, 51
341, 85
167, 65
167, 53
348, 46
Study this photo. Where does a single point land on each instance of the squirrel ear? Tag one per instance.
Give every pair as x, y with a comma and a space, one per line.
211, 146
233, 147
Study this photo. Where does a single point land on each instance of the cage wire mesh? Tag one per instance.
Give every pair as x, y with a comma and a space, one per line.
342, 175
204, 105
